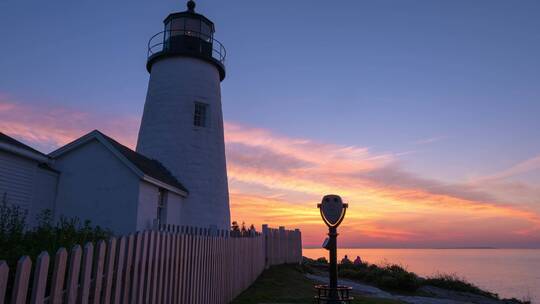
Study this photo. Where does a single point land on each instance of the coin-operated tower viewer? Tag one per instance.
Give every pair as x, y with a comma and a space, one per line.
182, 124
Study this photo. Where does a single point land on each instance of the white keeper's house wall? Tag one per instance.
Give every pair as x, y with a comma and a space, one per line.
45, 192
26, 178
147, 208
96, 186
99, 183
92, 178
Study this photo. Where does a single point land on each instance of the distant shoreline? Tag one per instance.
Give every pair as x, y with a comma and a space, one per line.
429, 248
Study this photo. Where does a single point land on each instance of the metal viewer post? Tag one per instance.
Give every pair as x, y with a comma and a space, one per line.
333, 211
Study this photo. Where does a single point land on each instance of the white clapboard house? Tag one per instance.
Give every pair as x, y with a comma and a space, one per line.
26, 177
180, 147
94, 178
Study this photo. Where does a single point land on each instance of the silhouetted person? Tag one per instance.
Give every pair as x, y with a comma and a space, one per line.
358, 260
346, 260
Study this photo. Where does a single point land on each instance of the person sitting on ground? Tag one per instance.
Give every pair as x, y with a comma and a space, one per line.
346, 260
358, 260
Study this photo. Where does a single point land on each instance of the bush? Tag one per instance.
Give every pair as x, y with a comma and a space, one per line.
388, 282
453, 282
392, 277
322, 260
351, 274
17, 239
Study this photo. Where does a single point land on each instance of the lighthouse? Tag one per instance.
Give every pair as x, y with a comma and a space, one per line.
182, 123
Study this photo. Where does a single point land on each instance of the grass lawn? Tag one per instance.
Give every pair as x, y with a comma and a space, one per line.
287, 284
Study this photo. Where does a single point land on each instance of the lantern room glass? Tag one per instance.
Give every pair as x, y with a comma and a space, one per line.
188, 26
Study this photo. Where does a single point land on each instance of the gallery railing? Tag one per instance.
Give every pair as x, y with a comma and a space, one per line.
204, 44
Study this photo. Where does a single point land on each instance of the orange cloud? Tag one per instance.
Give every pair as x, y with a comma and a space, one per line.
50, 127
382, 196
278, 180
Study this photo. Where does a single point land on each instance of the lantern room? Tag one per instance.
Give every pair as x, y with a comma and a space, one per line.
187, 33
189, 24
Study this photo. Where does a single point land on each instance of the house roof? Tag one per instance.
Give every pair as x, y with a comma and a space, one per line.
12, 145
147, 169
12, 141
149, 166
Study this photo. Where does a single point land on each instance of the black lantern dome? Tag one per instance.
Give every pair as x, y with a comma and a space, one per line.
187, 34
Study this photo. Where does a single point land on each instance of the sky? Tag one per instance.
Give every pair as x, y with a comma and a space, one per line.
423, 115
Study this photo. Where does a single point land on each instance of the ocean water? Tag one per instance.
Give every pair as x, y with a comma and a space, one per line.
508, 272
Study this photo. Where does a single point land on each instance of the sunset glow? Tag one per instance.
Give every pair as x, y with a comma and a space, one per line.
220, 151
423, 116
277, 179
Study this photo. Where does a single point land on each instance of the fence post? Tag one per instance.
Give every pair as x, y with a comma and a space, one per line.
136, 267
128, 268
4, 271
121, 252
288, 246
270, 247
282, 244
166, 267
98, 272
22, 277
143, 264
148, 287
265, 245
298, 246
88, 255
276, 246
160, 270
40, 279
109, 271
59, 273
177, 271
154, 270
73, 274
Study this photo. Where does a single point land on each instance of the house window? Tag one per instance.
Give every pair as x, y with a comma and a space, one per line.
200, 115
161, 207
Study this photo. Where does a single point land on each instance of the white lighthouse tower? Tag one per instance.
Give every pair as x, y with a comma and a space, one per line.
182, 124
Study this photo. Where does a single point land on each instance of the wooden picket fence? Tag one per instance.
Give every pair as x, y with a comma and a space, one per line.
282, 246
171, 265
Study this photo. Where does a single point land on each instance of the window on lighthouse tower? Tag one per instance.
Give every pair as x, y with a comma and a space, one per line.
200, 114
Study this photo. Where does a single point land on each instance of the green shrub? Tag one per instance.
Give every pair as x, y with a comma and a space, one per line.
388, 282
349, 273
453, 282
322, 260
17, 239
12, 221
392, 277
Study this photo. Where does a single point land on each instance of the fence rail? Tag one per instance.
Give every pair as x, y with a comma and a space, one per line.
168, 265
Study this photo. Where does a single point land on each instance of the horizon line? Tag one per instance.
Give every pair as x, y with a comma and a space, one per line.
434, 248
